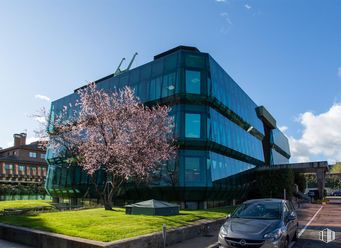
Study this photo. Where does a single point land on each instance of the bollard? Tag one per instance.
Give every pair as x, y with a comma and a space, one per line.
164, 233
284, 194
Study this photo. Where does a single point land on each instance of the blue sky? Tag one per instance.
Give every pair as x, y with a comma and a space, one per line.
284, 54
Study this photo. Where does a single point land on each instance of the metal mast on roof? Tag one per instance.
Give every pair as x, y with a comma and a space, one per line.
119, 71
131, 62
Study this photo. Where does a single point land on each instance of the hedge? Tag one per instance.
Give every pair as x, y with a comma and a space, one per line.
271, 184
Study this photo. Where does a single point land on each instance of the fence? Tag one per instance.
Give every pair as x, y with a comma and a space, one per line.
24, 197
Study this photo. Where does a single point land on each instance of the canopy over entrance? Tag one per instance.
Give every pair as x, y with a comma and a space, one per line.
153, 207
319, 168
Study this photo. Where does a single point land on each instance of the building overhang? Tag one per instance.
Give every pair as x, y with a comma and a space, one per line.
307, 167
266, 117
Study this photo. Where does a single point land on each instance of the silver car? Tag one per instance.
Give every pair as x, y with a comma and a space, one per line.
261, 223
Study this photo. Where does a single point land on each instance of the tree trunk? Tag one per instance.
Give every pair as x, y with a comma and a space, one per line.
107, 200
108, 205
108, 195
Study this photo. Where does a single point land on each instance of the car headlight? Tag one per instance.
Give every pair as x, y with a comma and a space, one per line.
274, 235
223, 232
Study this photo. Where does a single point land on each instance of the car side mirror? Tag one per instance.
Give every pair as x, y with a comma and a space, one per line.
291, 216
228, 216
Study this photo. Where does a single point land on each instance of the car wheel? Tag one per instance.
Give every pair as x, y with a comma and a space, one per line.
286, 243
295, 236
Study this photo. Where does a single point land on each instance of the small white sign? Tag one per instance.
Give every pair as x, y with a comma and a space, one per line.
327, 235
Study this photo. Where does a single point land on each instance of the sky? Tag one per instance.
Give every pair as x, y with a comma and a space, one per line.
286, 55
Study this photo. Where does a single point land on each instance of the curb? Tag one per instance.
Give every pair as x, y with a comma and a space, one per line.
43, 239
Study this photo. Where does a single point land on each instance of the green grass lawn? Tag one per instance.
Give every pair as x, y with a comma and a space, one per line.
101, 225
23, 204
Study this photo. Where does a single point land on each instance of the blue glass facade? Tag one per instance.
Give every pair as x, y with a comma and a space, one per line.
280, 152
229, 134
219, 134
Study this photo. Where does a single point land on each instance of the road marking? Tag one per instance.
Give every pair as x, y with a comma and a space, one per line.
305, 227
215, 245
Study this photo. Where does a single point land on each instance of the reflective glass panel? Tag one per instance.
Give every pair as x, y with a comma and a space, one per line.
192, 125
192, 169
193, 82
278, 158
279, 139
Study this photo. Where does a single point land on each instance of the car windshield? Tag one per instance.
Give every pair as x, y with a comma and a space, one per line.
259, 210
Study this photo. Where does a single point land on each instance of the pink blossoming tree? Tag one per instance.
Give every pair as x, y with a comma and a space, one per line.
116, 133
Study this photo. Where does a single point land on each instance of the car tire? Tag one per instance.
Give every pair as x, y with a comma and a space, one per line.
286, 243
295, 236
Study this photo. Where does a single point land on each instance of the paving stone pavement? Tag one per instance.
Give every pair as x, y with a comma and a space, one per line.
6, 244
328, 217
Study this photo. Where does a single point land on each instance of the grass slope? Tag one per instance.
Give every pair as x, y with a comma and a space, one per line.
23, 204
101, 225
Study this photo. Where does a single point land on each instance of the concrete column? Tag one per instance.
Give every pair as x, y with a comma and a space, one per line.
15, 169
320, 176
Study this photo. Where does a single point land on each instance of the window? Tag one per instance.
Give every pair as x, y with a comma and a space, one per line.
168, 85
33, 171
193, 82
33, 155
8, 166
21, 168
192, 125
42, 155
192, 169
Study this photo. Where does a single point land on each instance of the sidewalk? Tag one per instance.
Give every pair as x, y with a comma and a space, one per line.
198, 242
6, 244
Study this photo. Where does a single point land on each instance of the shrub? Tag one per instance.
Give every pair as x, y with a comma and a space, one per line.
271, 183
300, 180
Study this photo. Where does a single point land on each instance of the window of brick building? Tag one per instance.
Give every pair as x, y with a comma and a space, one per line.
33, 155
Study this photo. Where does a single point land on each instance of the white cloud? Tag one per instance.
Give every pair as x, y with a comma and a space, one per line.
31, 139
247, 6
283, 128
321, 136
226, 16
226, 27
339, 72
40, 119
220, 1
9, 144
42, 97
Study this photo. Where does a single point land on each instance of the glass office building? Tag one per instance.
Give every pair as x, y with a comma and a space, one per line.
222, 134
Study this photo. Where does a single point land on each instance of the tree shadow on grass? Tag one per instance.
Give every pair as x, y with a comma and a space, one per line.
28, 221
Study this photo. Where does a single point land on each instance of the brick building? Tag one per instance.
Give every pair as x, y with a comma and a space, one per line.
22, 163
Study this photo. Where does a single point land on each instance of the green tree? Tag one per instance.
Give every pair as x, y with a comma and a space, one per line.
336, 168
